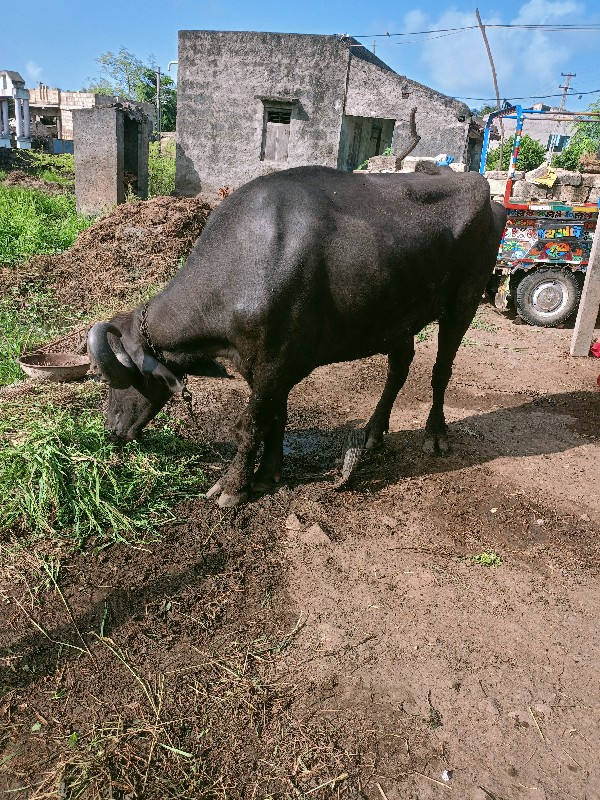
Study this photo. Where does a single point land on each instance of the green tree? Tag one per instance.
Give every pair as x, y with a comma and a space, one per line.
585, 139
125, 75
531, 154
146, 92
485, 110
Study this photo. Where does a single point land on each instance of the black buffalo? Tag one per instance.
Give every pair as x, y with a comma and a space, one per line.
301, 268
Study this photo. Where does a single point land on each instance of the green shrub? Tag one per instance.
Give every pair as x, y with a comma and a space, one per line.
161, 169
586, 139
32, 223
531, 155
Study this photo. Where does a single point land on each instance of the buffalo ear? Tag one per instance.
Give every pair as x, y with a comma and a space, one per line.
150, 365
173, 382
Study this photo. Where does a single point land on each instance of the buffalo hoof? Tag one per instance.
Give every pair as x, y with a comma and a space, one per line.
374, 442
214, 490
224, 499
231, 500
436, 445
265, 483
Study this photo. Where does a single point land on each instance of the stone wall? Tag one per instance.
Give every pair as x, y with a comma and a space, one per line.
570, 187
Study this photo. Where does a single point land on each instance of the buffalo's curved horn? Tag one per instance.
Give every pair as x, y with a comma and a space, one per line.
118, 371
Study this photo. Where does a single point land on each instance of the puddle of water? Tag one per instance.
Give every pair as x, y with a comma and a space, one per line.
305, 442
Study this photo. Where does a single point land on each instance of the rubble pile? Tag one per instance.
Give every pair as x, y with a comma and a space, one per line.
547, 183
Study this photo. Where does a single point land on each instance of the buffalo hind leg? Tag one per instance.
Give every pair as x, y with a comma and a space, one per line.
399, 361
450, 335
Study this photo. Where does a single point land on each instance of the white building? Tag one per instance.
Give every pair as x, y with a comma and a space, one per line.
12, 87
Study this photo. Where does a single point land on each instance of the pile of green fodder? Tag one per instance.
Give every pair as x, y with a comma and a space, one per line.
61, 477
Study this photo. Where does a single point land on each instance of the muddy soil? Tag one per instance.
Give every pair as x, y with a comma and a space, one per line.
317, 643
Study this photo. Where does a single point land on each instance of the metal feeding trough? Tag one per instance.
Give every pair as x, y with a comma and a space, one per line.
54, 366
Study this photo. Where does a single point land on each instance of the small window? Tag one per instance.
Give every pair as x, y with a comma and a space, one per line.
279, 115
276, 133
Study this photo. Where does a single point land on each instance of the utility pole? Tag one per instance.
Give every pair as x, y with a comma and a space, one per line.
568, 76
495, 79
374, 46
563, 104
158, 125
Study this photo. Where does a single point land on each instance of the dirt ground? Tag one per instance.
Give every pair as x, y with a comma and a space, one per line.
327, 644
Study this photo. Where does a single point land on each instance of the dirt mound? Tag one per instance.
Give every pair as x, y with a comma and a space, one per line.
24, 180
125, 255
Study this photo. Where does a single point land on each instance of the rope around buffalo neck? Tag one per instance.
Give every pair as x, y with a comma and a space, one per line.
186, 395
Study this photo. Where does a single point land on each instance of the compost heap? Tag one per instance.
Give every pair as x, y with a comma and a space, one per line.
127, 254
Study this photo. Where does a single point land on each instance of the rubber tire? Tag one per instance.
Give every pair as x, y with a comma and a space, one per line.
534, 315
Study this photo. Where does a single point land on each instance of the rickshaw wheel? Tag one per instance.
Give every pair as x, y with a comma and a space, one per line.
547, 297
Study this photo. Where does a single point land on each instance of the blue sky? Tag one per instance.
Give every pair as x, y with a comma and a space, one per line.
56, 43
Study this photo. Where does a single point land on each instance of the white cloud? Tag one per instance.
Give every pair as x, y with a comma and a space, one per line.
525, 60
33, 70
544, 12
415, 20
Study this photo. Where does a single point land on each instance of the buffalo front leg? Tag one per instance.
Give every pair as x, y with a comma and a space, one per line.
250, 430
268, 473
399, 361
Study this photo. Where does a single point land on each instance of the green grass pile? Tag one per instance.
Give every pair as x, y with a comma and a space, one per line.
60, 476
33, 223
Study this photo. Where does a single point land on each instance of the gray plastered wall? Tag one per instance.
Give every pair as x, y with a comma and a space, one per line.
336, 91
375, 90
225, 81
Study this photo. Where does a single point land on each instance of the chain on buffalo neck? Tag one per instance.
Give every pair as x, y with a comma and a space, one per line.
186, 395
158, 354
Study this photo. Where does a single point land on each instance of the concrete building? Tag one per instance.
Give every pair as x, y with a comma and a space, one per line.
250, 103
111, 156
54, 108
12, 87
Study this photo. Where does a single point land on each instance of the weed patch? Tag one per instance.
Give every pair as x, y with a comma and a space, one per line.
32, 223
485, 559
427, 332
29, 317
161, 169
479, 323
